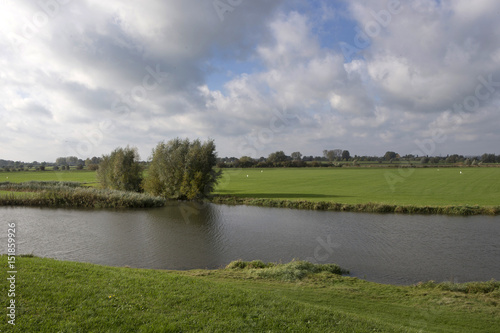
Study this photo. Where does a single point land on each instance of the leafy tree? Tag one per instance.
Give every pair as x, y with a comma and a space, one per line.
488, 158
72, 160
121, 170
424, 160
346, 155
296, 156
390, 155
332, 155
181, 169
246, 162
277, 157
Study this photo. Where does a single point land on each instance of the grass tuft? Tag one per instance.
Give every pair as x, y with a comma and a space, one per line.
293, 271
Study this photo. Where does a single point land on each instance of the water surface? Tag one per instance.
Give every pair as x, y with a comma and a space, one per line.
398, 249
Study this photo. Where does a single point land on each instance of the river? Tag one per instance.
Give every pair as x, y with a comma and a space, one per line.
395, 249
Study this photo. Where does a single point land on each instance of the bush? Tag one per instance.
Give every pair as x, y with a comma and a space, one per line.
181, 169
121, 170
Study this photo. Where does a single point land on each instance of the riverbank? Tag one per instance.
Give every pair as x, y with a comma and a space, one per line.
358, 208
54, 295
72, 195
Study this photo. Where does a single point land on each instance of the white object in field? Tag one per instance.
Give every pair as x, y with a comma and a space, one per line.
460, 172
247, 176
261, 170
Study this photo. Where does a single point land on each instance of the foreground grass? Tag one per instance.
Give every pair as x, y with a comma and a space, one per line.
55, 296
423, 187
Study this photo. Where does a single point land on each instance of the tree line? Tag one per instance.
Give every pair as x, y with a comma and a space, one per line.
339, 157
334, 157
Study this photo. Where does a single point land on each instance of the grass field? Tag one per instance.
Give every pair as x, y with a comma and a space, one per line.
424, 186
82, 176
58, 296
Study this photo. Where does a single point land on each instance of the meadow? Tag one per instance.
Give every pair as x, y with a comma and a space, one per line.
418, 186
62, 296
85, 177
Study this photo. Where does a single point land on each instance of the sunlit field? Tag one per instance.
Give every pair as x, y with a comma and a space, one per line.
82, 176
422, 186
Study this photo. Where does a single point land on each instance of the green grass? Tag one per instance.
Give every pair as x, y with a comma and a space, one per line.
4, 194
82, 176
424, 187
57, 296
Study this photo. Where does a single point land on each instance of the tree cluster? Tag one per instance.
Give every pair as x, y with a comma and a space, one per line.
178, 169
121, 170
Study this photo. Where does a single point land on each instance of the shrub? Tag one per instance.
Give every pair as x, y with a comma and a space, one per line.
121, 170
181, 169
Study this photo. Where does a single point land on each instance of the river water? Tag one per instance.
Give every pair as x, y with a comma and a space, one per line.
396, 249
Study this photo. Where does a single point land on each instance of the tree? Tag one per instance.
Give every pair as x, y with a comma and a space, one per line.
390, 155
331, 155
296, 156
180, 169
121, 170
246, 162
346, 155
277, 157
488, 158
72, 160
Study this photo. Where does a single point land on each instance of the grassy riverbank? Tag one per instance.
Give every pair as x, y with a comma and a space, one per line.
56, 296
72, 194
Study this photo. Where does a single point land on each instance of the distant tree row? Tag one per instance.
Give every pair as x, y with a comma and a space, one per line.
338, 156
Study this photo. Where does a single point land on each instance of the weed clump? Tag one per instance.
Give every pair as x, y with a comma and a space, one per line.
466, 288
293, 271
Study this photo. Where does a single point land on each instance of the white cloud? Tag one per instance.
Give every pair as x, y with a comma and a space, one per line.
92, 61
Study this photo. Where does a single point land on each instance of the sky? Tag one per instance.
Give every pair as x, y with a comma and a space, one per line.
81, 78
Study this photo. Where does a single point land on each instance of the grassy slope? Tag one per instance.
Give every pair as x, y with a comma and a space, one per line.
362, 185
60, 296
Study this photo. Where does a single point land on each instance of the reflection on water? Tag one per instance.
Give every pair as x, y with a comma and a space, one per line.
382, 248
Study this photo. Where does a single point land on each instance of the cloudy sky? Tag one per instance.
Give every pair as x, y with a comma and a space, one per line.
84, 77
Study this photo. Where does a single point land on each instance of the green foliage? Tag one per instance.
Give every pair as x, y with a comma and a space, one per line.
121, 170
277, 157
180, 169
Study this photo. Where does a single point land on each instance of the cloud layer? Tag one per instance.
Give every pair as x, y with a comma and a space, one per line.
82, 78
